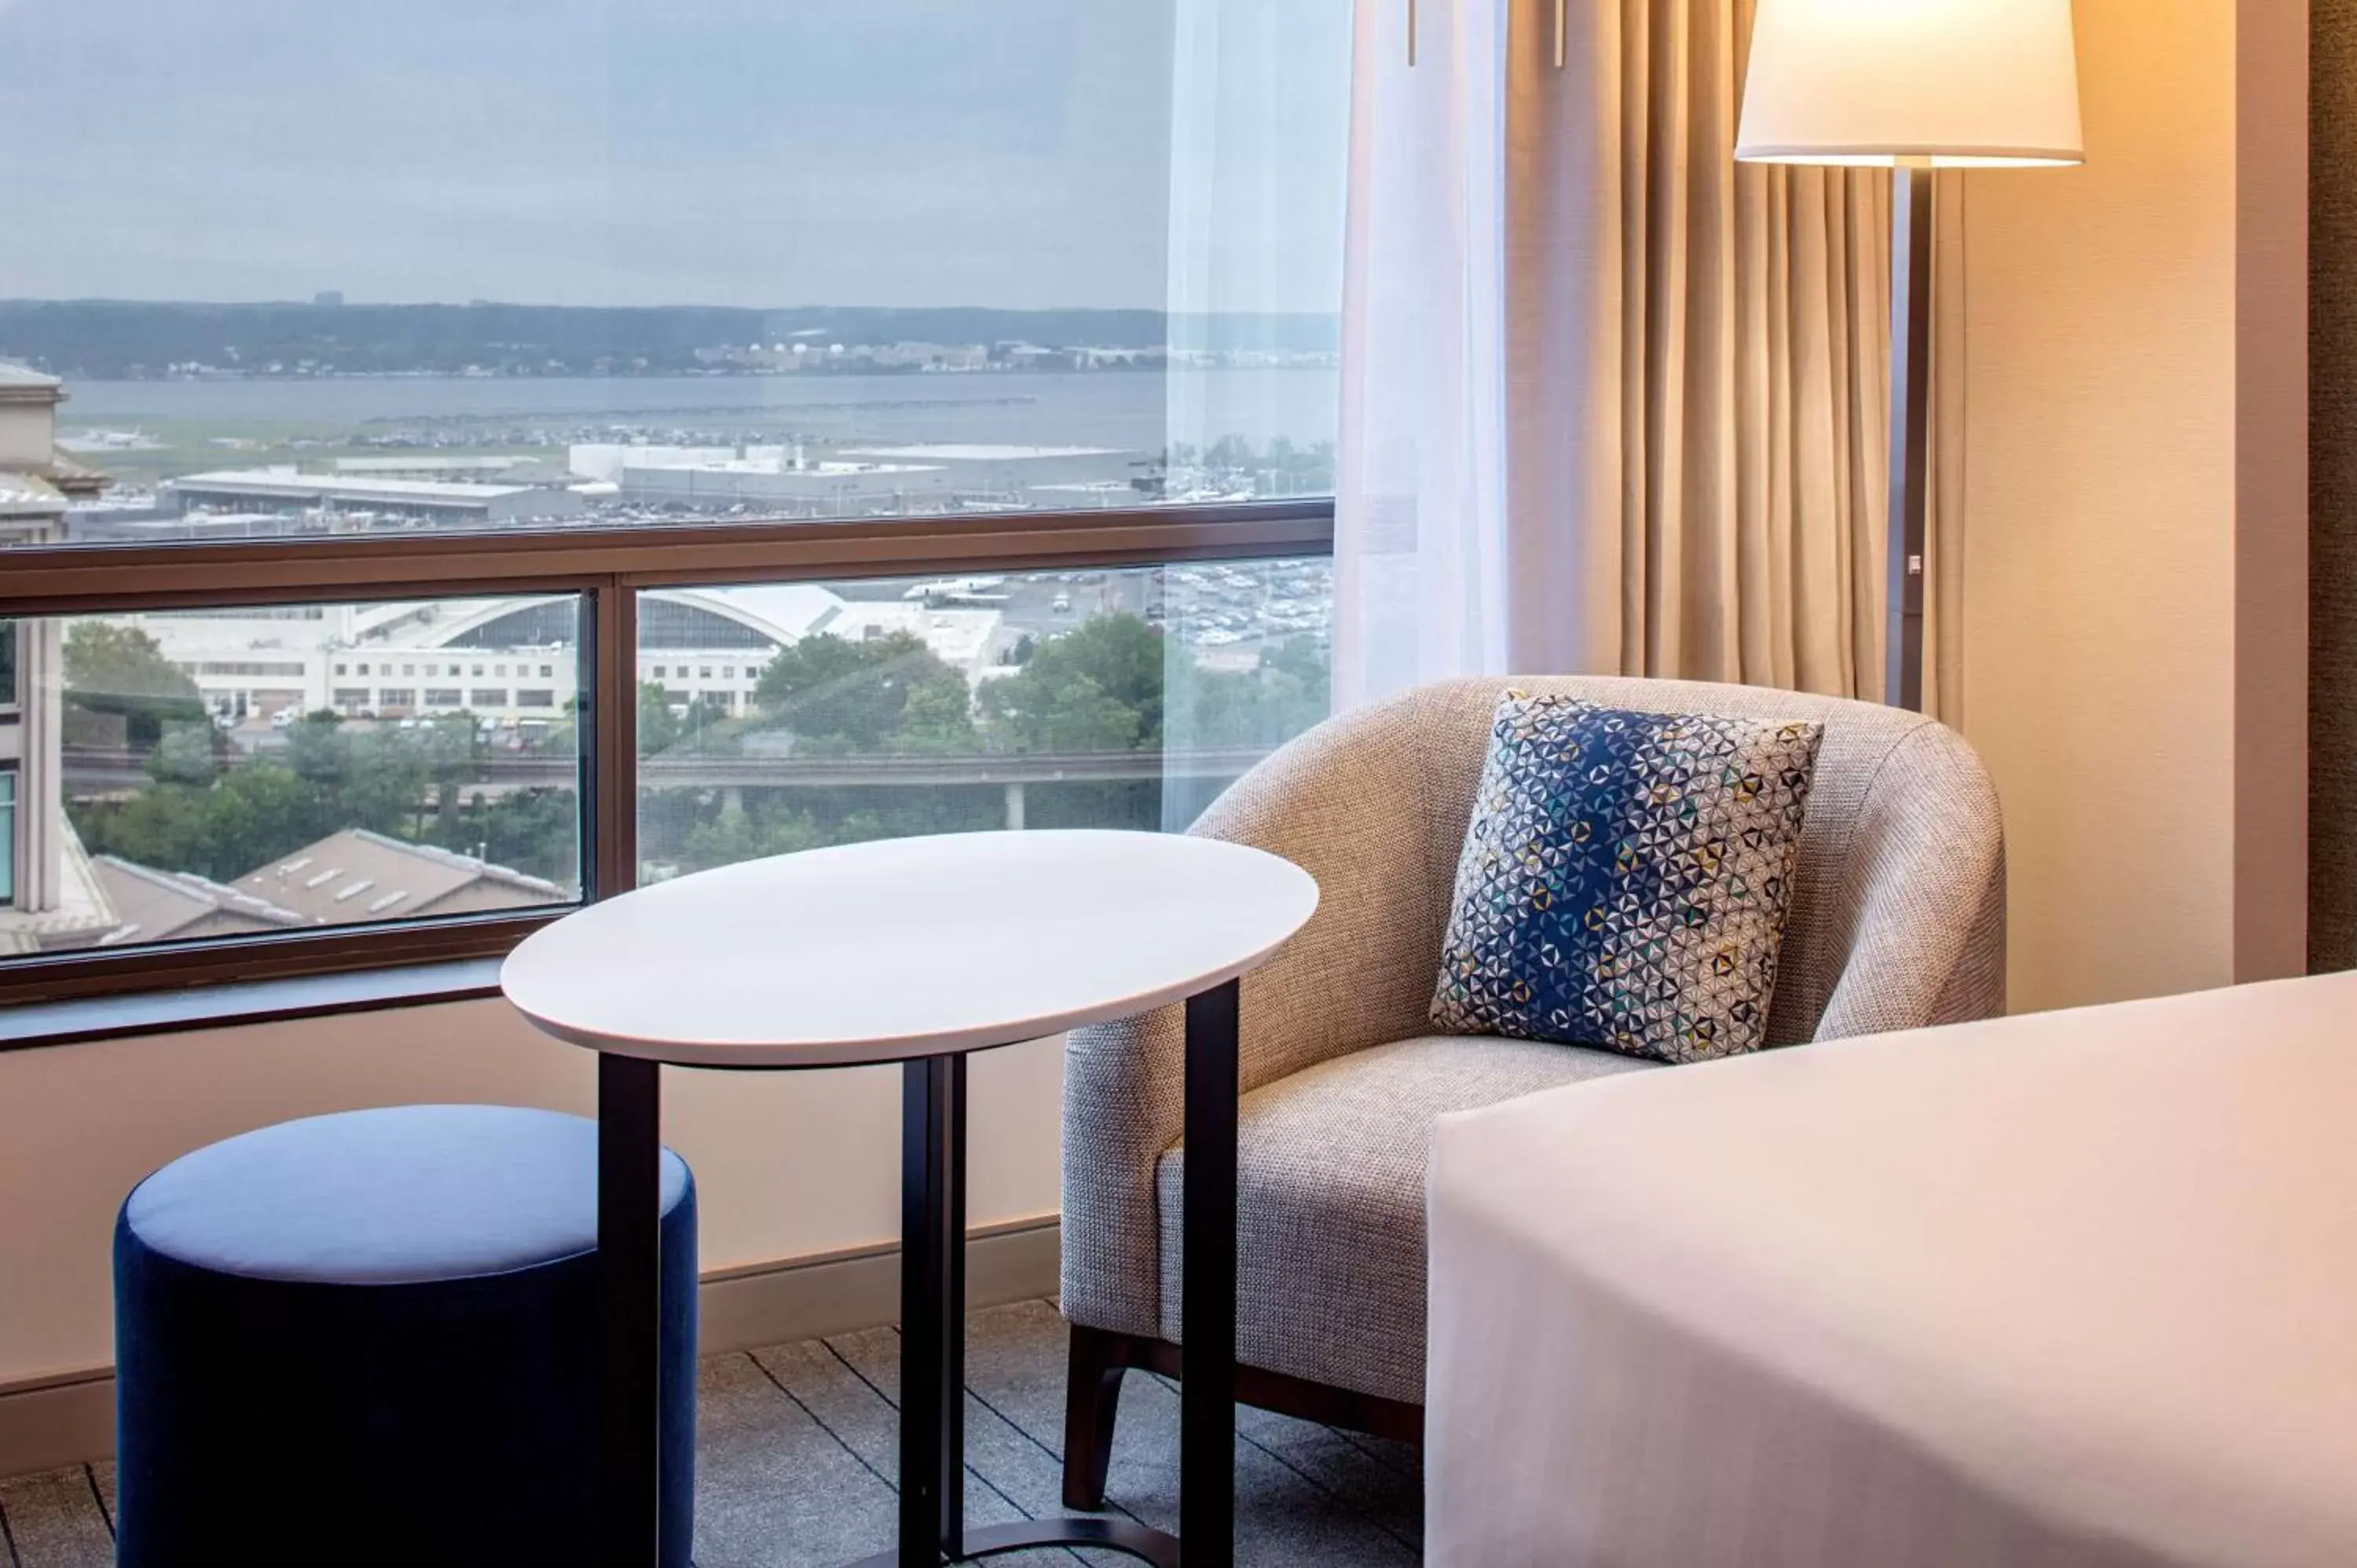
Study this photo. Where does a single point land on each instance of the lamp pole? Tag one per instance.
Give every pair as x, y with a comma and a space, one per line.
1910, 84
1910, 430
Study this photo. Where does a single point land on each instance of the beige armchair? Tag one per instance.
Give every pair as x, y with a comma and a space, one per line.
1898, 920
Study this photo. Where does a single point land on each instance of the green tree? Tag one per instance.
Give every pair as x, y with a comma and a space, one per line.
1097, 687
737, 836
119, 672
317, 749
537, 832
699, 726
659, 727
185, 755
840, 697
1289, 691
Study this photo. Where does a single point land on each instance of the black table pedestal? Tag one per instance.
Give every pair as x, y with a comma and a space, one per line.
629, 1290
933, 1530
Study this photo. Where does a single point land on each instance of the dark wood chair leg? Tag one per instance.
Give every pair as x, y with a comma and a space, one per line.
1091, 1401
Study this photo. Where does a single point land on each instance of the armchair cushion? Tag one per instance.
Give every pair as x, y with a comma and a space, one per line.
1330, 1211
1625, 878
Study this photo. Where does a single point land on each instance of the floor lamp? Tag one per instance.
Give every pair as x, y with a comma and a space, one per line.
1913, 86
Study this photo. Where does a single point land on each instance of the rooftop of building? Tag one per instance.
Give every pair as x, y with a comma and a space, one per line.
289, 481
422, 464
155, 905
718, 620
982, 452
23, 381
29, 495
357, 875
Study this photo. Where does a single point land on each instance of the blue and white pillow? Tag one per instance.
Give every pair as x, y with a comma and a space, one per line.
1625, 879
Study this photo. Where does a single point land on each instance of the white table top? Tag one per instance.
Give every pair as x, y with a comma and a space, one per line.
906, 947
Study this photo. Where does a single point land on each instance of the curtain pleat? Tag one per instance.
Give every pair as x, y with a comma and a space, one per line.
1693, 386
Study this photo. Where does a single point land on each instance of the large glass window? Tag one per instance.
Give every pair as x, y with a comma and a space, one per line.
449, 265
560, 272
212, 779
862, 709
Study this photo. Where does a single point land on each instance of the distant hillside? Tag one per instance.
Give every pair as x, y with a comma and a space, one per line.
112, 339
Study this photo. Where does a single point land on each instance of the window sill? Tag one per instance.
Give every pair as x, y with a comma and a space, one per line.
235, 1004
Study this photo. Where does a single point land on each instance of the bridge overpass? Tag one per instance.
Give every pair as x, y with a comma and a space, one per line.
92, 771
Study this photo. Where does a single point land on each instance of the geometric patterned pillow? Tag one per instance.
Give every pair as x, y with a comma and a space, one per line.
1625, 879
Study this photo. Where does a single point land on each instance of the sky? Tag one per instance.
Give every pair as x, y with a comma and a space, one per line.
1019, 154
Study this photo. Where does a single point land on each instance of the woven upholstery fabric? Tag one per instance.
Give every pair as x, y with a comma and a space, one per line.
1897, 921
1625, 878
1330, 1200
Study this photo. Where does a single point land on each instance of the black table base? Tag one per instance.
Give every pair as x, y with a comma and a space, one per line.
933, 1530
630, 1291
994, 1540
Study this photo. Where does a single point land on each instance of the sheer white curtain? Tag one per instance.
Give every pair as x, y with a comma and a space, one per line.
1432, 576
1260, 97
1612, 402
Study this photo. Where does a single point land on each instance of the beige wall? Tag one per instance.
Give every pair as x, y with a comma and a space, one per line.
2135, 534
28, 432
787, 1164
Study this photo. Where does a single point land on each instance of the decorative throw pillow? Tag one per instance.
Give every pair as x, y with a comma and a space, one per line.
1625, 879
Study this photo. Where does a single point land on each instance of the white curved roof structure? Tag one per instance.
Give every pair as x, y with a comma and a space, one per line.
776, 615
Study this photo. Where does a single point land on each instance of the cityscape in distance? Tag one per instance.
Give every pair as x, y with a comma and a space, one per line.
223, 772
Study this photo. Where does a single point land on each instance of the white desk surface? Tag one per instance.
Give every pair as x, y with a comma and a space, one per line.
2071, 1288
906, 947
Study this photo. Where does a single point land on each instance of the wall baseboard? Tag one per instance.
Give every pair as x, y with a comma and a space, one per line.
68, 1418
859, 1287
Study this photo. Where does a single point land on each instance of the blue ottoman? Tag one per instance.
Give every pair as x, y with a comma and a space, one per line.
371, 1338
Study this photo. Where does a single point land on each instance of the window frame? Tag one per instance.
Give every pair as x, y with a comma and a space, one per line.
607, 568
12, 832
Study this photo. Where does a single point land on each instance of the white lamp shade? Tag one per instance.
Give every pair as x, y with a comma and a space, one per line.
1957, 83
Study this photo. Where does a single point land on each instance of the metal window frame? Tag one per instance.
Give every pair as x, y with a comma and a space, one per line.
12, 807
607, 567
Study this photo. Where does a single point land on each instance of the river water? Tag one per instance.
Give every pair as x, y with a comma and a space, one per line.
1126, 409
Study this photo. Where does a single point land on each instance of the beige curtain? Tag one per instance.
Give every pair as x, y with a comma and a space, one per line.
1719, 438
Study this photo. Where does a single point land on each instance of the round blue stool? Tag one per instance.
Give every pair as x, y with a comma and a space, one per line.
371, 1338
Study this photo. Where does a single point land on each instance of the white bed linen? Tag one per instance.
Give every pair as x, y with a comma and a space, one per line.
2072, 1288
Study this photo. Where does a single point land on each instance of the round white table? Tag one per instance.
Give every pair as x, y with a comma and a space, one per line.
919, 951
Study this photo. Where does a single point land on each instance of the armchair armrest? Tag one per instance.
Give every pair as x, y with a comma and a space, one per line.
1918, 904
1372, 804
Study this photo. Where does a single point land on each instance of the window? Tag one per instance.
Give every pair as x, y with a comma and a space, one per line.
1074, 315
883, 716
7, 665
249, 667
173, 825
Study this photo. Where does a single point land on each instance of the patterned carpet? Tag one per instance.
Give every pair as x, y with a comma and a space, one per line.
797, 1448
